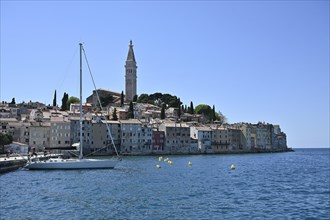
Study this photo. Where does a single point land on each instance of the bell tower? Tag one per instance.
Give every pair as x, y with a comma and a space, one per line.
130, 75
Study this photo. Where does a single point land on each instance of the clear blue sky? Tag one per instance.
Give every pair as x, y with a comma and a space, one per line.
254, 60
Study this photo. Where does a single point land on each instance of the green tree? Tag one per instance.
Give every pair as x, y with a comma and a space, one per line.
72, 100
64, 105
122, 99
221, 118
205, 110
143, 98
5, 138
54, 100
135, 98
159, 99
13, 101
162, 113
191, 109
131, 110
114, 115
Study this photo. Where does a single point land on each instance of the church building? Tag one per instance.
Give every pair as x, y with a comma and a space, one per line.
130, 75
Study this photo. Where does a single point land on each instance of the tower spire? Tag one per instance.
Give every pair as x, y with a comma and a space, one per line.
130, 55
130, 75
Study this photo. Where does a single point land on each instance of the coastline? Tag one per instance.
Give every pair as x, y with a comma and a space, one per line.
13, 163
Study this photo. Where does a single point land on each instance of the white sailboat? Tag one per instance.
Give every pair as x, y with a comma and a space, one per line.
78, 163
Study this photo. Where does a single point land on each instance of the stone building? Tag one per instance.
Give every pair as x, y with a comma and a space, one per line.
59, 132
39, 135
100, 138
136, 137
130, 75
203, 135
178, 138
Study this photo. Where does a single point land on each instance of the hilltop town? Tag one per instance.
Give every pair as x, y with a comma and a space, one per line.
135, 125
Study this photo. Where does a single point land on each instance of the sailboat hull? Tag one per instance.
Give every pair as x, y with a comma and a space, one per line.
71, 164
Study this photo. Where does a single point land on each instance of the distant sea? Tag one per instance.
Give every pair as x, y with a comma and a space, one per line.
292, 185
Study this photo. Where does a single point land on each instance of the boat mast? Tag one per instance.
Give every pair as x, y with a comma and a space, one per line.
80, 107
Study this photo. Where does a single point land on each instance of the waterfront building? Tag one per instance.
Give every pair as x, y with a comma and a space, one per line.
280, 141
39, 135
203, 136
247, 139
220, 141
100, 138
278, 138
136, 137
158, 141
263, 136
59, 132
86, 131
234, 138
130, 75
178, 138
21, 132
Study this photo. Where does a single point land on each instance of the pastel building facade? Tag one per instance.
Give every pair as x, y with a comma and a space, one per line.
136, 138
178, 139
59, 133
101, 133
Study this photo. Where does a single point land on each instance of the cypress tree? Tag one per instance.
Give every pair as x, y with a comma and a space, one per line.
131, 110
114, 115
213, 114
54, 100
135, 98
162, 113
191, 108
122, 98
179, 111
64, 105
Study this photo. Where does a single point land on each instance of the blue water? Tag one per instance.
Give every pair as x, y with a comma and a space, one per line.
292, 185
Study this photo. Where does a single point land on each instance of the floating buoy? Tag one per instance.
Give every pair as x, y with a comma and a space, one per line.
166, 159
160, 158
232, 167
158, 166
189, 163
169, 162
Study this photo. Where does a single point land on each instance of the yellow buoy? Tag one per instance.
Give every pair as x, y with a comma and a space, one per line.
189, 163
169, 162
166, 159
157, 166
232, 167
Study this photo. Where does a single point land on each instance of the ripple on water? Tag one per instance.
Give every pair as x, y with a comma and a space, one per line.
263, 186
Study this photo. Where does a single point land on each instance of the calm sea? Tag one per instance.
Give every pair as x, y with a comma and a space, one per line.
293, 185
